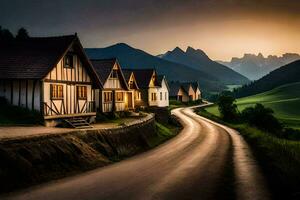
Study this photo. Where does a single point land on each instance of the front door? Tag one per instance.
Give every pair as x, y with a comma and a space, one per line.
129, 96
180, 98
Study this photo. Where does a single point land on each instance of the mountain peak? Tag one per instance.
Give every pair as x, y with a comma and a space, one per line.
177, 49
190, 49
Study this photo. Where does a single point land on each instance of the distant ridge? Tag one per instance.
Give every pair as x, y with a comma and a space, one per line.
256, 66
132, 58
197, 59
289, 73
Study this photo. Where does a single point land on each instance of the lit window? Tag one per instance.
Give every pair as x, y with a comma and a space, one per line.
68, 61
81, 92
56, 91
153, 96
107, 96
119, 96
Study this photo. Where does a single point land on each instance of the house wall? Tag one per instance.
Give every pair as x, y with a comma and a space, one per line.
69, 78
23, 93
163, 95
185, 98
153, 90
198, 94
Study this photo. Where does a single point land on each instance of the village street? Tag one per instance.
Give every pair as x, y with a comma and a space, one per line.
205, 161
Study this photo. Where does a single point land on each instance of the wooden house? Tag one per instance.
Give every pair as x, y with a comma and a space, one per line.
134, 93
197, 91
112, 96
51, 75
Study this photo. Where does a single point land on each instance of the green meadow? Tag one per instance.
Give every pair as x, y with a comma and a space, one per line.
284, 100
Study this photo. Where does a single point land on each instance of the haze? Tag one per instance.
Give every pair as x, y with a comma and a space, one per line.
223, 29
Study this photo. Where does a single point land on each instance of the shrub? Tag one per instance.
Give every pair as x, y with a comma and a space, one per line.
227, 108
262, 118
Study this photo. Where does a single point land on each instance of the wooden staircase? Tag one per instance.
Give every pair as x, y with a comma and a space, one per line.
78, 122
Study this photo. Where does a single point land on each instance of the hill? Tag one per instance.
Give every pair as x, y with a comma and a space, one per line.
284, 100
197, 59
130, 57
256, 66
287, 74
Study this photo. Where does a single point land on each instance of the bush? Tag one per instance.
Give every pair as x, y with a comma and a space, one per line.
262, 118
227, 108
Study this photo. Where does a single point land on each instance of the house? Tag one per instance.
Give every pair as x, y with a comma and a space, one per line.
134, 93
51, 75
185, 92
152, 89
112, 95
162, 91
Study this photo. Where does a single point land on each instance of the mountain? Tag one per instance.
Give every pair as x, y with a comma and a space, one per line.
289, 73
197, 59
130, 57
256, 66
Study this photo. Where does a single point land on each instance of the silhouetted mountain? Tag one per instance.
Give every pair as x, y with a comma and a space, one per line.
289, 73
137, 59
255, 67
198, 60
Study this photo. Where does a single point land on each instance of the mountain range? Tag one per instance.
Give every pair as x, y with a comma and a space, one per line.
133, 58
289, 73
256, 66
197, 59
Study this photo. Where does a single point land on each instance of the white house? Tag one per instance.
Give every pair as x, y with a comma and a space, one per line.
185, 92
162, 92
112, 96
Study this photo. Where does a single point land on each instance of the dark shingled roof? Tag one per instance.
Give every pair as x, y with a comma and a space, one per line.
103, 67
186, 87
195, 85
127, 74
34, 57
142, 76
160, 79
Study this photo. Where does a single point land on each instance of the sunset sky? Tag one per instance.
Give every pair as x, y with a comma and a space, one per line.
222, 28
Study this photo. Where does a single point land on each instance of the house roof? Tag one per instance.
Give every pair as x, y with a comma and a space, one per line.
186, 87
127, 74
143, 76
160, 78
35, 57
104, 67
174, 88
195, 85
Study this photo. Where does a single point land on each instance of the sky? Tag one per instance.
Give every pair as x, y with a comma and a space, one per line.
222, 28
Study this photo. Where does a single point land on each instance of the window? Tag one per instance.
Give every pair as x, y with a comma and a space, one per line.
56, 91
138, 95
107, 96
161, 96
114, 73
166, 96
68, 61
119, 96
131, 84
153, 96
81, 92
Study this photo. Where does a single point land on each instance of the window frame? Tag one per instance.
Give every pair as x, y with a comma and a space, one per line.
56, 91
117, 97
107, 97
70, 65
81, 92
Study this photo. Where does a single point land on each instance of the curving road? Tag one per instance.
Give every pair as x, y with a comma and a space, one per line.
205, 161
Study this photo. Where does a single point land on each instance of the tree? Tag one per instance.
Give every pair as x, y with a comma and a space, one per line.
6, 35
227, 107
262, 118
22, 34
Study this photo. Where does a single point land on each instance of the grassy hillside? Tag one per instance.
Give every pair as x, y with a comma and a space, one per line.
284, 75
284, 100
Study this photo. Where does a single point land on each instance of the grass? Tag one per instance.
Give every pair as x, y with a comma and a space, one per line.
279, 158
284, 100
14, 115
164, 132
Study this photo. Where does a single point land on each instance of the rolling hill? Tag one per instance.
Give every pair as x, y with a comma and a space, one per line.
284, 100
287, 74
130, 57
197, 59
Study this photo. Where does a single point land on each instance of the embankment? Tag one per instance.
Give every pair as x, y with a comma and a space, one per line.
32, 160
